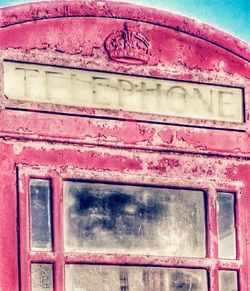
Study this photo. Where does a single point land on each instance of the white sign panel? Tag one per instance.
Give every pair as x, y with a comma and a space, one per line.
50, 84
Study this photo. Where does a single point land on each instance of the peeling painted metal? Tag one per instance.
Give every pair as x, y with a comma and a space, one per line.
51, 140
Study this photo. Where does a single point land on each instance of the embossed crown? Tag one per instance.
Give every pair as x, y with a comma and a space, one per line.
128, 46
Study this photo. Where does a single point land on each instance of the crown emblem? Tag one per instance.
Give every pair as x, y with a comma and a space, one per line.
128, 46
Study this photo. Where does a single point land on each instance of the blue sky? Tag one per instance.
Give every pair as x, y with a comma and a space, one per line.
232, 16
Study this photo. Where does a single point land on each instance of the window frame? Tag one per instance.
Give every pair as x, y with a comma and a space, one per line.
59, 258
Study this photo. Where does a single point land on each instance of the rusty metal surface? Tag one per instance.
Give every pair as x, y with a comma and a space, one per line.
116, 146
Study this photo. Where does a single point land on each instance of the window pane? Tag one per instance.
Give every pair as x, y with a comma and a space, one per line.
137, 220
116, 278
42, 277
40, 214
228, 281
226, 225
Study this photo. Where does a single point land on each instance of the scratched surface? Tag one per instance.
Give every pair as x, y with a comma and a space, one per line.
40, 215
89, 278
138, 220
42, 277
118, 146
228, 280
226, 225
115, 91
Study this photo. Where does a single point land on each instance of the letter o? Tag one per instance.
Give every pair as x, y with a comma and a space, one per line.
177, 99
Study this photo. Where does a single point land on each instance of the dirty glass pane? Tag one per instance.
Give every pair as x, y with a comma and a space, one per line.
136, 220
117, 278
228, 281
226, 225
40, 214
42, 277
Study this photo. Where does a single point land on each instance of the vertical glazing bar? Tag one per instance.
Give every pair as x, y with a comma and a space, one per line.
242, 278
240, 223
58, 232
213, 278
212, 243
23, 188
241, 247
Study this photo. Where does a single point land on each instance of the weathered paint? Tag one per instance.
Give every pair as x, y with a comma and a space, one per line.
46, 140
81, 88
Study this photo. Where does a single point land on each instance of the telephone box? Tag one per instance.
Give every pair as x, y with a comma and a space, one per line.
124, 150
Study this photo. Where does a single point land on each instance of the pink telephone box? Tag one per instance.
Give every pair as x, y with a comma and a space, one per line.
124, 150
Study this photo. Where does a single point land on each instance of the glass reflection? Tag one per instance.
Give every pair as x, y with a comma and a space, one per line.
226, 225
228, 281
42, 277
40, 214
130, 219
116, 278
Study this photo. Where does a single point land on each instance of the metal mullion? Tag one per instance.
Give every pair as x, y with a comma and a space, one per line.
57, 213
119, 259
212, 238
212, 232
24, 232
42, 257
242, 278
214, 278
224, 264
240, 233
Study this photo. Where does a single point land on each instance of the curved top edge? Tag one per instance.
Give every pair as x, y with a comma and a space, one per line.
32, 11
